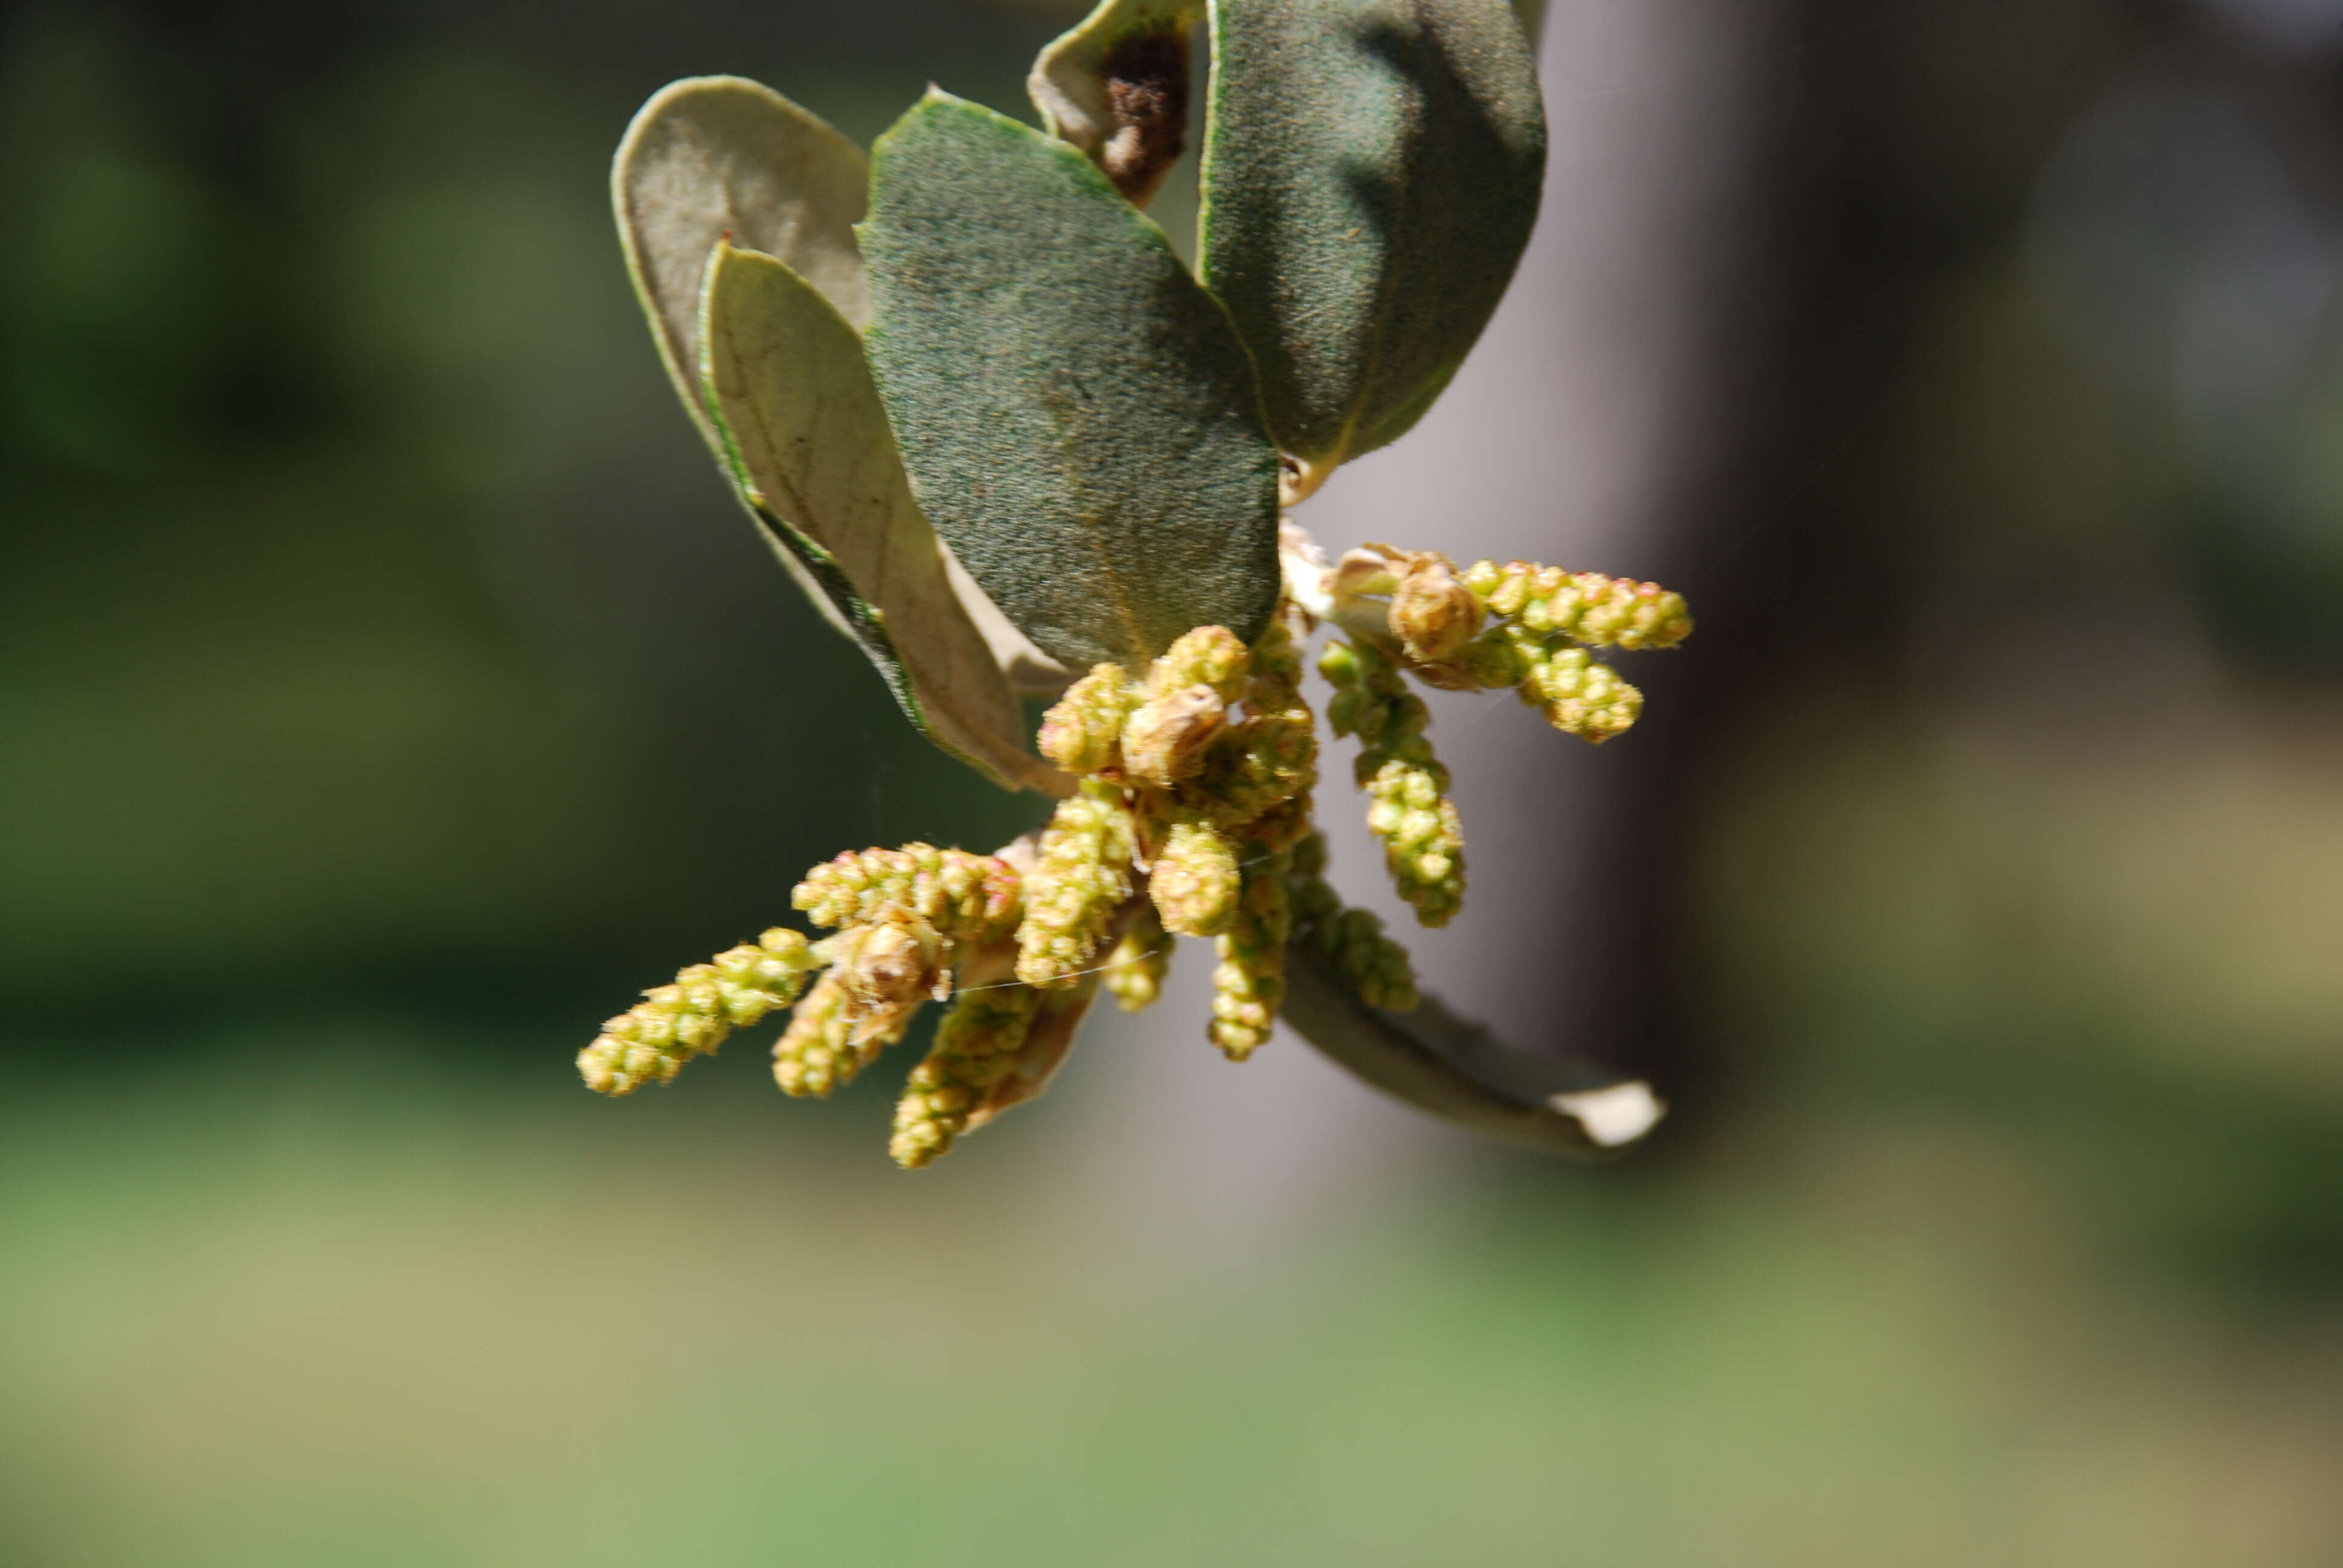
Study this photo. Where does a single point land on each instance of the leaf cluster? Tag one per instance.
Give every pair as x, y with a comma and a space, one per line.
975, 401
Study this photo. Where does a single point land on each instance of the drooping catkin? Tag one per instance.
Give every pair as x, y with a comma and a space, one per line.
976, 1046
1580, 696
1249, 982
1375, 966
1135, 969
1407, 788
651, 1042
817, 1054
1081, 876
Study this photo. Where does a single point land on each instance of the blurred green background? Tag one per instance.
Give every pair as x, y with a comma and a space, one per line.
389, 689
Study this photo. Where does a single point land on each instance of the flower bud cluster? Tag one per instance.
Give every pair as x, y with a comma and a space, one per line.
1587, 608
1375, 966
1195, 780
1271, 757
1407, 788
908, 916
650, 1042
976, 1047
1083, 874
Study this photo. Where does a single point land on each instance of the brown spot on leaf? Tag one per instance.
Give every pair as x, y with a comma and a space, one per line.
1147, 99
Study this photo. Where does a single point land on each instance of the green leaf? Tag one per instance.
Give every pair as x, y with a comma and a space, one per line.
1117, 87
1077, 415
809, 447
1370, 175
1455, 1069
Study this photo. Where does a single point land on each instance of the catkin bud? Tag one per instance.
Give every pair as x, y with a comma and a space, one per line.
1081, 732
650, 1042
1165, 738
1434, 614
892, 961
886, 969
1195, 887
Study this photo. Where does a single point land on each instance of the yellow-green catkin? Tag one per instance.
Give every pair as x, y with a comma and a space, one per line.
1587, 608
976, 1046
650, 1042
963, 897
1370, 963
1249, 982
1274, 753
1578, 695
1083, 732
1211, 656
1083, 874
1407, 787
1194, 885
1135, 969
817, 1053
1540, 612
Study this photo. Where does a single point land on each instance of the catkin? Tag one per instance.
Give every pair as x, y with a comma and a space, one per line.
976, 1047
1081, 876
1407, 788
651, 1042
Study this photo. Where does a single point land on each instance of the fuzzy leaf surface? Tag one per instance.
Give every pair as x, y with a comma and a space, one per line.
1076, 414
1370, 175
784, 375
